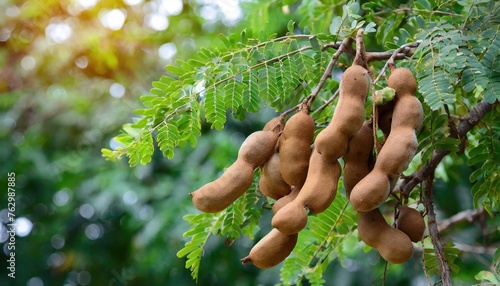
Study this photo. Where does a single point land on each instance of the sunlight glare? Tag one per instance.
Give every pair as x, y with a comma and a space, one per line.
171, 7
28, 63
82, 62
117, 90
156, 21
231, 10
132, 2
167, 51
12, 11
87, 4
58, 32
113, 19
23, 226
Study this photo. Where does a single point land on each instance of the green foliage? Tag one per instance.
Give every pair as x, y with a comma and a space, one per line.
240, 217
275, 71
484, 153
431, 263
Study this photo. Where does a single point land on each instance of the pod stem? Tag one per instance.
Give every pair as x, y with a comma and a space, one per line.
246, 259
360, 58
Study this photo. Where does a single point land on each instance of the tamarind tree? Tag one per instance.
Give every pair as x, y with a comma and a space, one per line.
452, 47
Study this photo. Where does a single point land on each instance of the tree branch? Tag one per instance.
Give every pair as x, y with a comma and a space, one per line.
434, 232
346, 44
464, 216
464, 126
402, 52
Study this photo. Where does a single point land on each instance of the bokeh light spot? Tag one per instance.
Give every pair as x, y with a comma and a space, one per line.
172, 7
82, 62
28, 63
3, 234
61, 198
57, 241
23, 226
12, 11
113, 19
86, 211
117, 90
56, 259
58, 32
167, 51
87, 4
129, 198
157, 21
35, 281
132, 2
93, 231
84, 278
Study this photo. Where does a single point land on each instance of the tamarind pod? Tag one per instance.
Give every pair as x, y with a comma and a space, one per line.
358, 158
348, 116
411, 222
320, 187
258, 147
402, 81
408, 112
399, 148
316, 195
273, 124
392, 244
291, 218
397, 152
271, 249
281, 202
220, 193
369, 193
295, 147
271, 182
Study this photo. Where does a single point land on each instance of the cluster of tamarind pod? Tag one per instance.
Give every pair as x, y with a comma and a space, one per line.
301, 173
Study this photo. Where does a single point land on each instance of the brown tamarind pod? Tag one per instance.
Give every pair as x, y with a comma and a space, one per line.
219, 194
316, 195
281, 202
258, 147
295, 147
358, 159
321, 184
399, 148
274, 124
291, 218
392, 244
348, 116
271, 183
271, 249
411, 222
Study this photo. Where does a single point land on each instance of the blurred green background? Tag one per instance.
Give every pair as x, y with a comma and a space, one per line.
71, 73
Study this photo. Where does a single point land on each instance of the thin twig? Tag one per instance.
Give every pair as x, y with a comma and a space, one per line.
328, 102
434, 233
404, 49
464, 216
328, 71
477, 249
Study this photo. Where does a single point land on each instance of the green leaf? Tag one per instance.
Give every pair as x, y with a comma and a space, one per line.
487, 276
